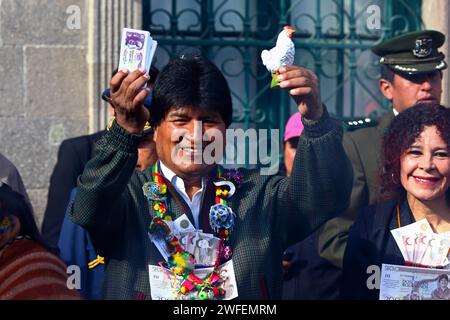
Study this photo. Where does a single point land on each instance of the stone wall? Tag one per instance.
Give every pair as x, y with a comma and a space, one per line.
53, 72
43, 93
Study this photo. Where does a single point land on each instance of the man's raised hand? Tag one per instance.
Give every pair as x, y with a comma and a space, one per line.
127, 97
304, 88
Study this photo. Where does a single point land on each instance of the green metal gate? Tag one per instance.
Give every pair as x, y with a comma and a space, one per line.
333, 39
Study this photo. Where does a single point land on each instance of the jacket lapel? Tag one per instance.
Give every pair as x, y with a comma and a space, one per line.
389, 248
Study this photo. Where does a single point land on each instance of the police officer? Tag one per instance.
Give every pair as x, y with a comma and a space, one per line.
411, 73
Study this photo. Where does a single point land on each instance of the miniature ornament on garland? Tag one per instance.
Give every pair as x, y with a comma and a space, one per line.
221, 216
221, 219
155, 191
281, 55
207, 289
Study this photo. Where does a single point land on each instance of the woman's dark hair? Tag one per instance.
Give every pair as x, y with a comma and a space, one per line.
191, 81
13, 203
401, 134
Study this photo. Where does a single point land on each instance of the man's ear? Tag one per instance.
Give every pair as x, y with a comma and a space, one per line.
386, 88
155, 134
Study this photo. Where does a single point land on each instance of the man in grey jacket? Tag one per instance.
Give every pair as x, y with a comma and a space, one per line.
191, 104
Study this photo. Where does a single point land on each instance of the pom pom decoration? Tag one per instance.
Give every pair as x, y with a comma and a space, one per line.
221, 217
181, 262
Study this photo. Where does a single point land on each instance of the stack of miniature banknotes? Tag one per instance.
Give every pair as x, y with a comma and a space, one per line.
205, 248
137, 49
428, 255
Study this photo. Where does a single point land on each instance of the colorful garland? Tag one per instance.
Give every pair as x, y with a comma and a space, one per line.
221, 219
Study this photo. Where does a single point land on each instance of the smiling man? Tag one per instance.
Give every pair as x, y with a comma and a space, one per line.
247, 218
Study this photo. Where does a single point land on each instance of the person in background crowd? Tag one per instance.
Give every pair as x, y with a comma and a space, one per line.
28, 269
11, 176
292, 132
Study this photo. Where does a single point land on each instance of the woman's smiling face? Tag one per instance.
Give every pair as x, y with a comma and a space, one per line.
425, 166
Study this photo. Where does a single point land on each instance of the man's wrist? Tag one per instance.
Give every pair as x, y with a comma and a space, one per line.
132, 127
123, 139
319, 127
316, 115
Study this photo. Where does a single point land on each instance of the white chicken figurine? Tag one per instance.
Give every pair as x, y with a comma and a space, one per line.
280, 55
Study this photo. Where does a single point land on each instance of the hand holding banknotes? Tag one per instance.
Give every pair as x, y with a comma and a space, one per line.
129, 85
127, 97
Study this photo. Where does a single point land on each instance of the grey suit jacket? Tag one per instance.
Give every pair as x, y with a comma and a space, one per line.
271, 212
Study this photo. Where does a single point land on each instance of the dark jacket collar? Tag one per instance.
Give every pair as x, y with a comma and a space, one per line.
385, 220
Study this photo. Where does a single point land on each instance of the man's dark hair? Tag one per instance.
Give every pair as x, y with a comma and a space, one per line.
401, 134
386, 73
191, 81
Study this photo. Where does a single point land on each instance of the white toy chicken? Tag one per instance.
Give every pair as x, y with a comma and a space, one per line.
280, 55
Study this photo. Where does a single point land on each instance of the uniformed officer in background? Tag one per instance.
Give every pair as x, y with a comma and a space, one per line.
411, 73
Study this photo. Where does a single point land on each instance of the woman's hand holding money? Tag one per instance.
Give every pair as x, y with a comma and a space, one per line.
127, 97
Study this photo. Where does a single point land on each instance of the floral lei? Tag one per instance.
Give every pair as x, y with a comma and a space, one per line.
221, 219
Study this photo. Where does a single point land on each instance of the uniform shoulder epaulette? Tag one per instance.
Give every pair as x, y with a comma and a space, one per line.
359, 123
